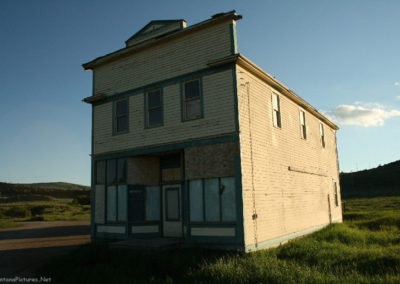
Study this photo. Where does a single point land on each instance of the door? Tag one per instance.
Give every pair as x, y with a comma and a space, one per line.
172, 215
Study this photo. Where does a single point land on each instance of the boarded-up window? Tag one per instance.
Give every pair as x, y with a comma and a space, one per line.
121, 116
192, 108
196, 201
152, 203
122, 203
276, 110
228, 199
172, 197
322, 134
303, 128
154, 108
111, 203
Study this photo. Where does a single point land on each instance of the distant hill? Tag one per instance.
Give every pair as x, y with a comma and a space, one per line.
12, 192
380, 181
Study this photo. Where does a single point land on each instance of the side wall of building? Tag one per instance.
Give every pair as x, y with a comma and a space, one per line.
288, 182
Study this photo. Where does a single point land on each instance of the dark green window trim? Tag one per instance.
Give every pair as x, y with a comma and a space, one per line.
115, 118
184, 100
147, 110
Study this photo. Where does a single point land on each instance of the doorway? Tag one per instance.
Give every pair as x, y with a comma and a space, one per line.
172, 207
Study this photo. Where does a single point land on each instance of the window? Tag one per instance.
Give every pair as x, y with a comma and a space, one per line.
192, 108
303, 128
322, 134
212, 200
154, 108
172, 197
336, 194
276, 110
144, 203
121, 116
114, 172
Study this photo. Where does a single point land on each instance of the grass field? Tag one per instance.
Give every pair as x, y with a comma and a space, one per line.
364, 249
12, 213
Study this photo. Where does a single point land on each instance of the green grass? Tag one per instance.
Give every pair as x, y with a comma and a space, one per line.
12, 213
364, 249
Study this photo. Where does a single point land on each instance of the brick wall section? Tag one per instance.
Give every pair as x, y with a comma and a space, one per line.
285, 201
175, 57
218, 107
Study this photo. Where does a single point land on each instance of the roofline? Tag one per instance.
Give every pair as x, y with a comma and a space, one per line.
156, 40
247, 64
154, 22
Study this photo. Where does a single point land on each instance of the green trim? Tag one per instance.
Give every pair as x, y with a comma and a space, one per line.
166, 82
170, 147
240, 225
92, 178
146, 109
234, 45
282, 239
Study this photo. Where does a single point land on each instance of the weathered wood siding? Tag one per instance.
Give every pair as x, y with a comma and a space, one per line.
144, 170
218, 109
178, 56
284, 201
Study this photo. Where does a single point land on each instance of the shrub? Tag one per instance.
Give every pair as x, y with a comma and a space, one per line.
82, 200
39, 210
18, 212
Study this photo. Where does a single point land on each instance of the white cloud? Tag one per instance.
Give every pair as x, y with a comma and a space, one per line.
398, 98
359, 114
397, 83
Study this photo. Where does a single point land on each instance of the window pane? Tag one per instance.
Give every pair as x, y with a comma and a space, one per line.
154, 99
155, 117
111, 203
122, 123
275, 103
122, 203
136, 203
172, 203
211, 194
100, 172
99, 205
196, 201
122, 169
228, 199
192, 89
121, 107
152, 203
111, 172
193, 109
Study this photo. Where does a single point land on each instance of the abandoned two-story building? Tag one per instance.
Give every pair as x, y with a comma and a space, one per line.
192, 140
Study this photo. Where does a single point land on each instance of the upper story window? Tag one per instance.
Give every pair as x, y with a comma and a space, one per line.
121, 116
192, 108
303, 128
276, 110
322, 134
154, 116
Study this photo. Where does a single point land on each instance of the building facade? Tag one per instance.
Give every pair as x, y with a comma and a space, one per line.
192, 140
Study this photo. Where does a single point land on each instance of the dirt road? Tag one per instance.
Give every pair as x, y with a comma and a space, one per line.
25, 248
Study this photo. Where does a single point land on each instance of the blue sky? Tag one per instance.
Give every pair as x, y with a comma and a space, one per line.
340, 56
